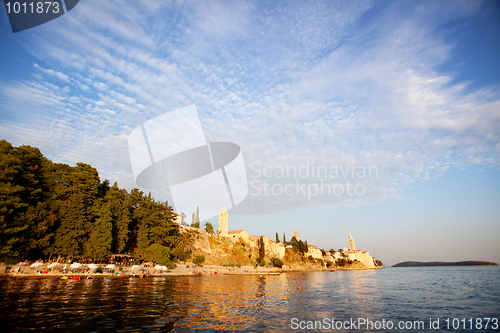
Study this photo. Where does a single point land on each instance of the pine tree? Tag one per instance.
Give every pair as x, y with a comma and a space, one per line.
73, 228
21, 188
198, 217
284, 239
121, 231
41, 221
277, 238
146, 218
120, 212
209, 228
52, 208
99, 243
297, 246
262, 250
193, 221
76, 202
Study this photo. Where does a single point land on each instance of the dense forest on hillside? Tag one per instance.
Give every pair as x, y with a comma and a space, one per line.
441, 263
49, 209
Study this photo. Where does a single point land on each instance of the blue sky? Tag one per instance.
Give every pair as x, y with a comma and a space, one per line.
408, 88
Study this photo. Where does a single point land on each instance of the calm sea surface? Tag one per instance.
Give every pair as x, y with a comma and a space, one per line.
253, 303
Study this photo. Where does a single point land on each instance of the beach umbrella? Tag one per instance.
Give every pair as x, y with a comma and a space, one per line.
36, 264
54, 264
75, 265
164, 268
135, 266
92, 266
158, 267
111, 266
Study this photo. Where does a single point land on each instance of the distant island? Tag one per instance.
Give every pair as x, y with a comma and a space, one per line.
442, 263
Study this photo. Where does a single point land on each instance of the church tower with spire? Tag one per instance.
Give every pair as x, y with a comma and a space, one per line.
352, 247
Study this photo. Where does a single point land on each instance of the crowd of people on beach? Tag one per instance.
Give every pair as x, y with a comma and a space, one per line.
123, 267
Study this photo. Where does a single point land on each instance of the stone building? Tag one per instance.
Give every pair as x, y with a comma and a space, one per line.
362, 256
179, 219
237, 234
272, 249
352, 247
223, 223
314, 252
277, 249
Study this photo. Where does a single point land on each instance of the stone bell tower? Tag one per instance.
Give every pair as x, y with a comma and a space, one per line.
352, 247
223, 223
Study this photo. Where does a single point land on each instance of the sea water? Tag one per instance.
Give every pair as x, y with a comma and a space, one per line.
420, 299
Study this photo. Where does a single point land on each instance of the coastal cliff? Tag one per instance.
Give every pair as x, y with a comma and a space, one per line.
243, 252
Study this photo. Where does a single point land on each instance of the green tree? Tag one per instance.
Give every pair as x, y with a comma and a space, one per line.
295, 245
199, 259
277, 262
72, 232
145, 218
341, 262
99, 243
151, 222
157, 253
52, 208
197, 221
209, 228
284, 239
41, 221
163, 230
120, 212
277, 238
193, 221
299, 246
262, 249
75, 200
21, 188
120, 229
185, 242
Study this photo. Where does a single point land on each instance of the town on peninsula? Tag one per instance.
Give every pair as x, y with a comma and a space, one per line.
61, 220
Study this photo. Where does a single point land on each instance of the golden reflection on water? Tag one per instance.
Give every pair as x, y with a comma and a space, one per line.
229, 303
249, 303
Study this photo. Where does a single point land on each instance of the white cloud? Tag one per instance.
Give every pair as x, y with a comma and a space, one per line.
337, 85
59, 75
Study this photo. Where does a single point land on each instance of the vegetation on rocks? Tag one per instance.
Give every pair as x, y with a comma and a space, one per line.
277, 262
